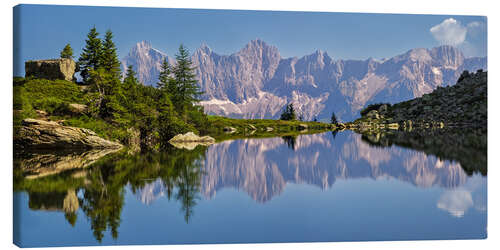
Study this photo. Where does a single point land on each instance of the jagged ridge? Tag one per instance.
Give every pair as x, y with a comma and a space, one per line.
256, 82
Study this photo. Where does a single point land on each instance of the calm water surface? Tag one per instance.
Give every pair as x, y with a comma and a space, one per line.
321, 187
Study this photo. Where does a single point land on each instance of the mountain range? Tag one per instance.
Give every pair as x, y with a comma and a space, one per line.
256, 82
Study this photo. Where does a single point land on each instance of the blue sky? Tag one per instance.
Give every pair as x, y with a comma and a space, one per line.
43, 30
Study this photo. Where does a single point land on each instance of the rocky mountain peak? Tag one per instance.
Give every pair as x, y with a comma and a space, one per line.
448, 56
141, 47
204, 49
144, 44
260, 49
256, 43
321, 56
146, 61
419, 55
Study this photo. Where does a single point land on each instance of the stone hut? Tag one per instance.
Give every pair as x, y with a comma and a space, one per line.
52, 69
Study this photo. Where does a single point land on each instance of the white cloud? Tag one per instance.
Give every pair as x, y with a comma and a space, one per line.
473, 25
475, 28
449, 32
456, 202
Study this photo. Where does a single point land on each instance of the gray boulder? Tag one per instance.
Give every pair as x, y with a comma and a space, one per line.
191, 137
190, 141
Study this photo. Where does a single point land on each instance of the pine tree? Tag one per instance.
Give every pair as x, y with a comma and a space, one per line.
130, 83
130, 75
105, 93
108, 58
186, 91
333, 119
67, 52
164, 80
90, 57
289, 113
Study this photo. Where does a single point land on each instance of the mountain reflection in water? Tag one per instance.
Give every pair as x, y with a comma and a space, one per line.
262, 168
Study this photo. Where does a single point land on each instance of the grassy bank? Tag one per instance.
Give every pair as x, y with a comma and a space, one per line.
46, 99
220, 128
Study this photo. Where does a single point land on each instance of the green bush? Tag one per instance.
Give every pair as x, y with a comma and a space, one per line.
51, 105
50, 96
101, 127
22, 106
63, 90
198, 119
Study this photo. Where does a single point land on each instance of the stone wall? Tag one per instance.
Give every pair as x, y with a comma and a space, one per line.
52, 69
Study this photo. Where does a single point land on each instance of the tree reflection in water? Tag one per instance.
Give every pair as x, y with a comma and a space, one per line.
102, 185
290, 141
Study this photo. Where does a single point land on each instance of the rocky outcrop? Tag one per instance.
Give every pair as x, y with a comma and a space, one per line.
52, 69
461, 105
51, 135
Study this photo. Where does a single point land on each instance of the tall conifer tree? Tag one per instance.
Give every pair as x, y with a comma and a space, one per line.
90, 57
333, 119
164, 80
108, 58
130, 75
187, 91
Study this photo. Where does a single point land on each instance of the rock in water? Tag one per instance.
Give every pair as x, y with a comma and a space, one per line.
189, 145
189, 141
191, 137
52, 69
49, 135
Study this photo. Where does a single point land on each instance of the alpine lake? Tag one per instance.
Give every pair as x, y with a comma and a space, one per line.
330, 186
